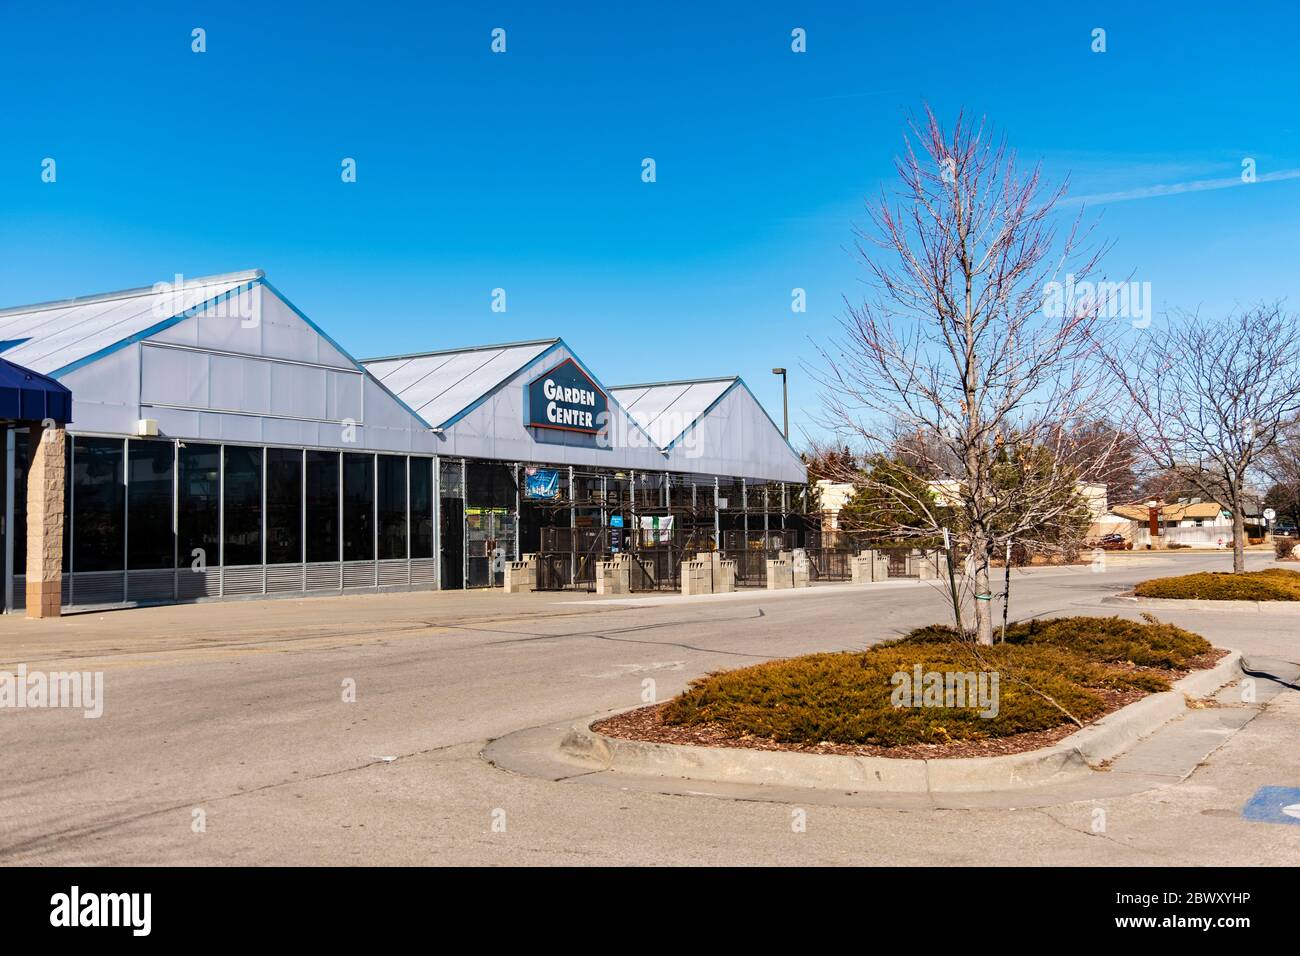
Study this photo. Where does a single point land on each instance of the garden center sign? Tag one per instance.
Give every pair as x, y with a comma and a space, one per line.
567, 399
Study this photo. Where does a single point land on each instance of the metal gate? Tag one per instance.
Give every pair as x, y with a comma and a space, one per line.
568, 557
489, 544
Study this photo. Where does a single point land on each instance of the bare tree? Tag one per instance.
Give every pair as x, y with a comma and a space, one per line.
1214, 398
955, 348
1112, 453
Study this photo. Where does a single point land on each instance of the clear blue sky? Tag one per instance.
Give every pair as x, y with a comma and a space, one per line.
522, 170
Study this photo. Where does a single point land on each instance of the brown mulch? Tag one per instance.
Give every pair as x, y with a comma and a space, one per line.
645, 724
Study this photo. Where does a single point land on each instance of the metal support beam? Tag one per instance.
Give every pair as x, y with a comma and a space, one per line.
744, 505
437, 523
573, 529
717, 519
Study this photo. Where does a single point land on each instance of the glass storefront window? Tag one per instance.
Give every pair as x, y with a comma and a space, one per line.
98, 526
421, 508
392, 507
200, 503
243, 506
322, 506
150, 540
284, 506
358, 507
22, 463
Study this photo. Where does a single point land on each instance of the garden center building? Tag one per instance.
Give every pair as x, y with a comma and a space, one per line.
219, 444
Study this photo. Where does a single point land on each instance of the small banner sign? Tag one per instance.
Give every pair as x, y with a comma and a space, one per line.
567, 399
541, 484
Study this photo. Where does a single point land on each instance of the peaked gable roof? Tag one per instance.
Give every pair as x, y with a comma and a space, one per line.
440, 385
54, 337
667, 410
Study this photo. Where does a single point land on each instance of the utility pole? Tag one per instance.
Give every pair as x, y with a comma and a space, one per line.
785, 402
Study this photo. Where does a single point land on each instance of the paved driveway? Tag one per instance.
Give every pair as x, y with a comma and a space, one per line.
226, 737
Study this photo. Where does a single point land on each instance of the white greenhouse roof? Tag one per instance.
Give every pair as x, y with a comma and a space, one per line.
51, 336
707, 426
439, 385
666, 410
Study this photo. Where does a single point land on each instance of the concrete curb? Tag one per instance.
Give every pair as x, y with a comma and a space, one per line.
818, 589
1074, 757
1291, 608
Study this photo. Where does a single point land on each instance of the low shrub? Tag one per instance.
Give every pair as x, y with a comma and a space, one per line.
1283, 548
1114, 640
1272, 584
1105, 640
1044, 669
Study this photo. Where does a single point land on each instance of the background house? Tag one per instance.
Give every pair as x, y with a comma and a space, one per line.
1189, 522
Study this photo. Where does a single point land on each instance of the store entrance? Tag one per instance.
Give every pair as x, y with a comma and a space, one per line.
491, 500
451, 529
490, 543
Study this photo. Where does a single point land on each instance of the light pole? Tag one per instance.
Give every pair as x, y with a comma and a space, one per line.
785, 402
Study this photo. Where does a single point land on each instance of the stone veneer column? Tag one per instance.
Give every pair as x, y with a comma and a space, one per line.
45, 522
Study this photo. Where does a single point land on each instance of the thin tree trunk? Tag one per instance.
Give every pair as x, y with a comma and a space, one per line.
983, 599
1238, 539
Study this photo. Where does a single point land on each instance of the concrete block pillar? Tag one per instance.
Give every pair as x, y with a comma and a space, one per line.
928, 565
725, 576
521, 576
614, 576
780, 574
697, 576
864, 568
879, 566
801, 568
45, 483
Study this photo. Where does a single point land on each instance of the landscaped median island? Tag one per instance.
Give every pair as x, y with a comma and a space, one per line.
1271, 584
930, 694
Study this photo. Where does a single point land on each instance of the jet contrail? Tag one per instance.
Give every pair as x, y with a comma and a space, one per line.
1173, 189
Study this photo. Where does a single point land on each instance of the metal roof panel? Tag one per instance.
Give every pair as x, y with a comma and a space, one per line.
667, 410
58, 334
438, 385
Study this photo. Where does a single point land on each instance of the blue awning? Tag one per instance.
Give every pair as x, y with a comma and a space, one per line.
29, 396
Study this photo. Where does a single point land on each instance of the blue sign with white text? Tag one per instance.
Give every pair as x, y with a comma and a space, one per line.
567, 399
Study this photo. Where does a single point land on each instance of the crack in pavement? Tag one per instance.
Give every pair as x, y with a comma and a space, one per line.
528, 637
84, 831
